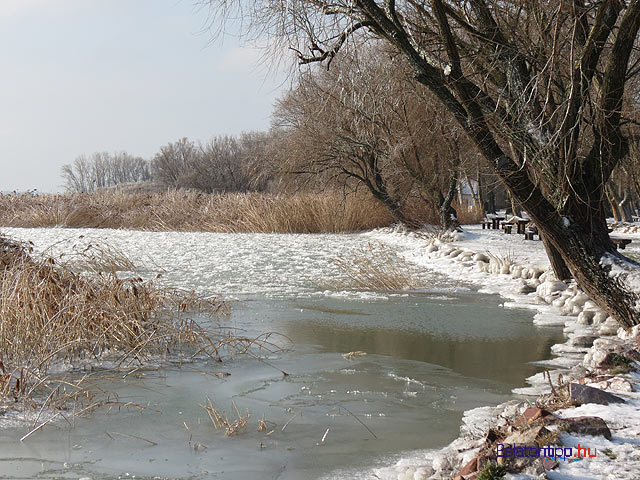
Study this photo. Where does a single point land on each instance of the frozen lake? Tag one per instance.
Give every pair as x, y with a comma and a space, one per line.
431, 354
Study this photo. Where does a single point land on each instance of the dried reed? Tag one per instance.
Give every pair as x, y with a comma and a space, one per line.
221, 421
193, 211
52, 315
375, 268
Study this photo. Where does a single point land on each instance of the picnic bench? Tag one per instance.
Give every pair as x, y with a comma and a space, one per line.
531, 232
491, 222
620, 243
495, 222
522, 225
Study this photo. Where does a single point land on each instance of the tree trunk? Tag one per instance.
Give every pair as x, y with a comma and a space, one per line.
448, 215
557, 262
581, 237
393, 207
477, 198
515, 206
625, 207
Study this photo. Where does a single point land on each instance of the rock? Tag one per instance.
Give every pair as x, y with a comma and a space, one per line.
454, 253
578, 300
609, 327
619, 384
527, 436
599, 318
531, 415
536, 272
622, 359
527, 465
517, 271
581, 394
586, 317
432, 248
527, 289
480, 257
549, 463
587, 426
558, 302
547, 288
470, 467
582, 341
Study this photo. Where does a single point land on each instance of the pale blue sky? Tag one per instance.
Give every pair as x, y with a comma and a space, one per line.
80, 76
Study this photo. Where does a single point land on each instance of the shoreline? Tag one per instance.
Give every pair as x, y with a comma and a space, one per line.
591, 337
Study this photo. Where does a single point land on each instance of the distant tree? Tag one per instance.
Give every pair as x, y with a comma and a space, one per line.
172, 166
224, 164
101, 169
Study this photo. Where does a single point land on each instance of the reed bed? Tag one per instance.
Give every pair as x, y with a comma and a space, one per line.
375, 268
53, 316
193, 211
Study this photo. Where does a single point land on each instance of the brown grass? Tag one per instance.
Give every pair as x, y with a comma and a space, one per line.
51, 315
220, 420
192, 211
468, 216
376, 268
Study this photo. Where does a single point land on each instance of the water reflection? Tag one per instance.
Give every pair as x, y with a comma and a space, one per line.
467, 333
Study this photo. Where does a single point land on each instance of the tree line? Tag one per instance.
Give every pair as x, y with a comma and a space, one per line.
224, 164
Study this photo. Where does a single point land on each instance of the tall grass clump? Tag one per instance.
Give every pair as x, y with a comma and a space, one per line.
51, 315
375, 268
192, 211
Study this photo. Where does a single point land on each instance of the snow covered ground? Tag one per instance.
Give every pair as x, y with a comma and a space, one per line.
518, 269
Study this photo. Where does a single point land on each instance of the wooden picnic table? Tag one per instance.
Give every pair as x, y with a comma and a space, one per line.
530, 232
620, 243
522, 225
495, 222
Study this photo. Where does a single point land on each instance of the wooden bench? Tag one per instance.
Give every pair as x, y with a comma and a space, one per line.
531, 232
486, 224
522, 224
495, 222
507, 227
621, 243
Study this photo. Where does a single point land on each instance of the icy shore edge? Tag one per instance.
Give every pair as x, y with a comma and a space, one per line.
591, 336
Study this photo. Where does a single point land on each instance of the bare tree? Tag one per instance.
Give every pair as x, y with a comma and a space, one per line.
101, 169
172, 165
537, 86
224, 164
358, 124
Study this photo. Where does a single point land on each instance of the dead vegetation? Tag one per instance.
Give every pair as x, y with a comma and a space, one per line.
193, 211
230, 427
51, 315
559, 396
375, 268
